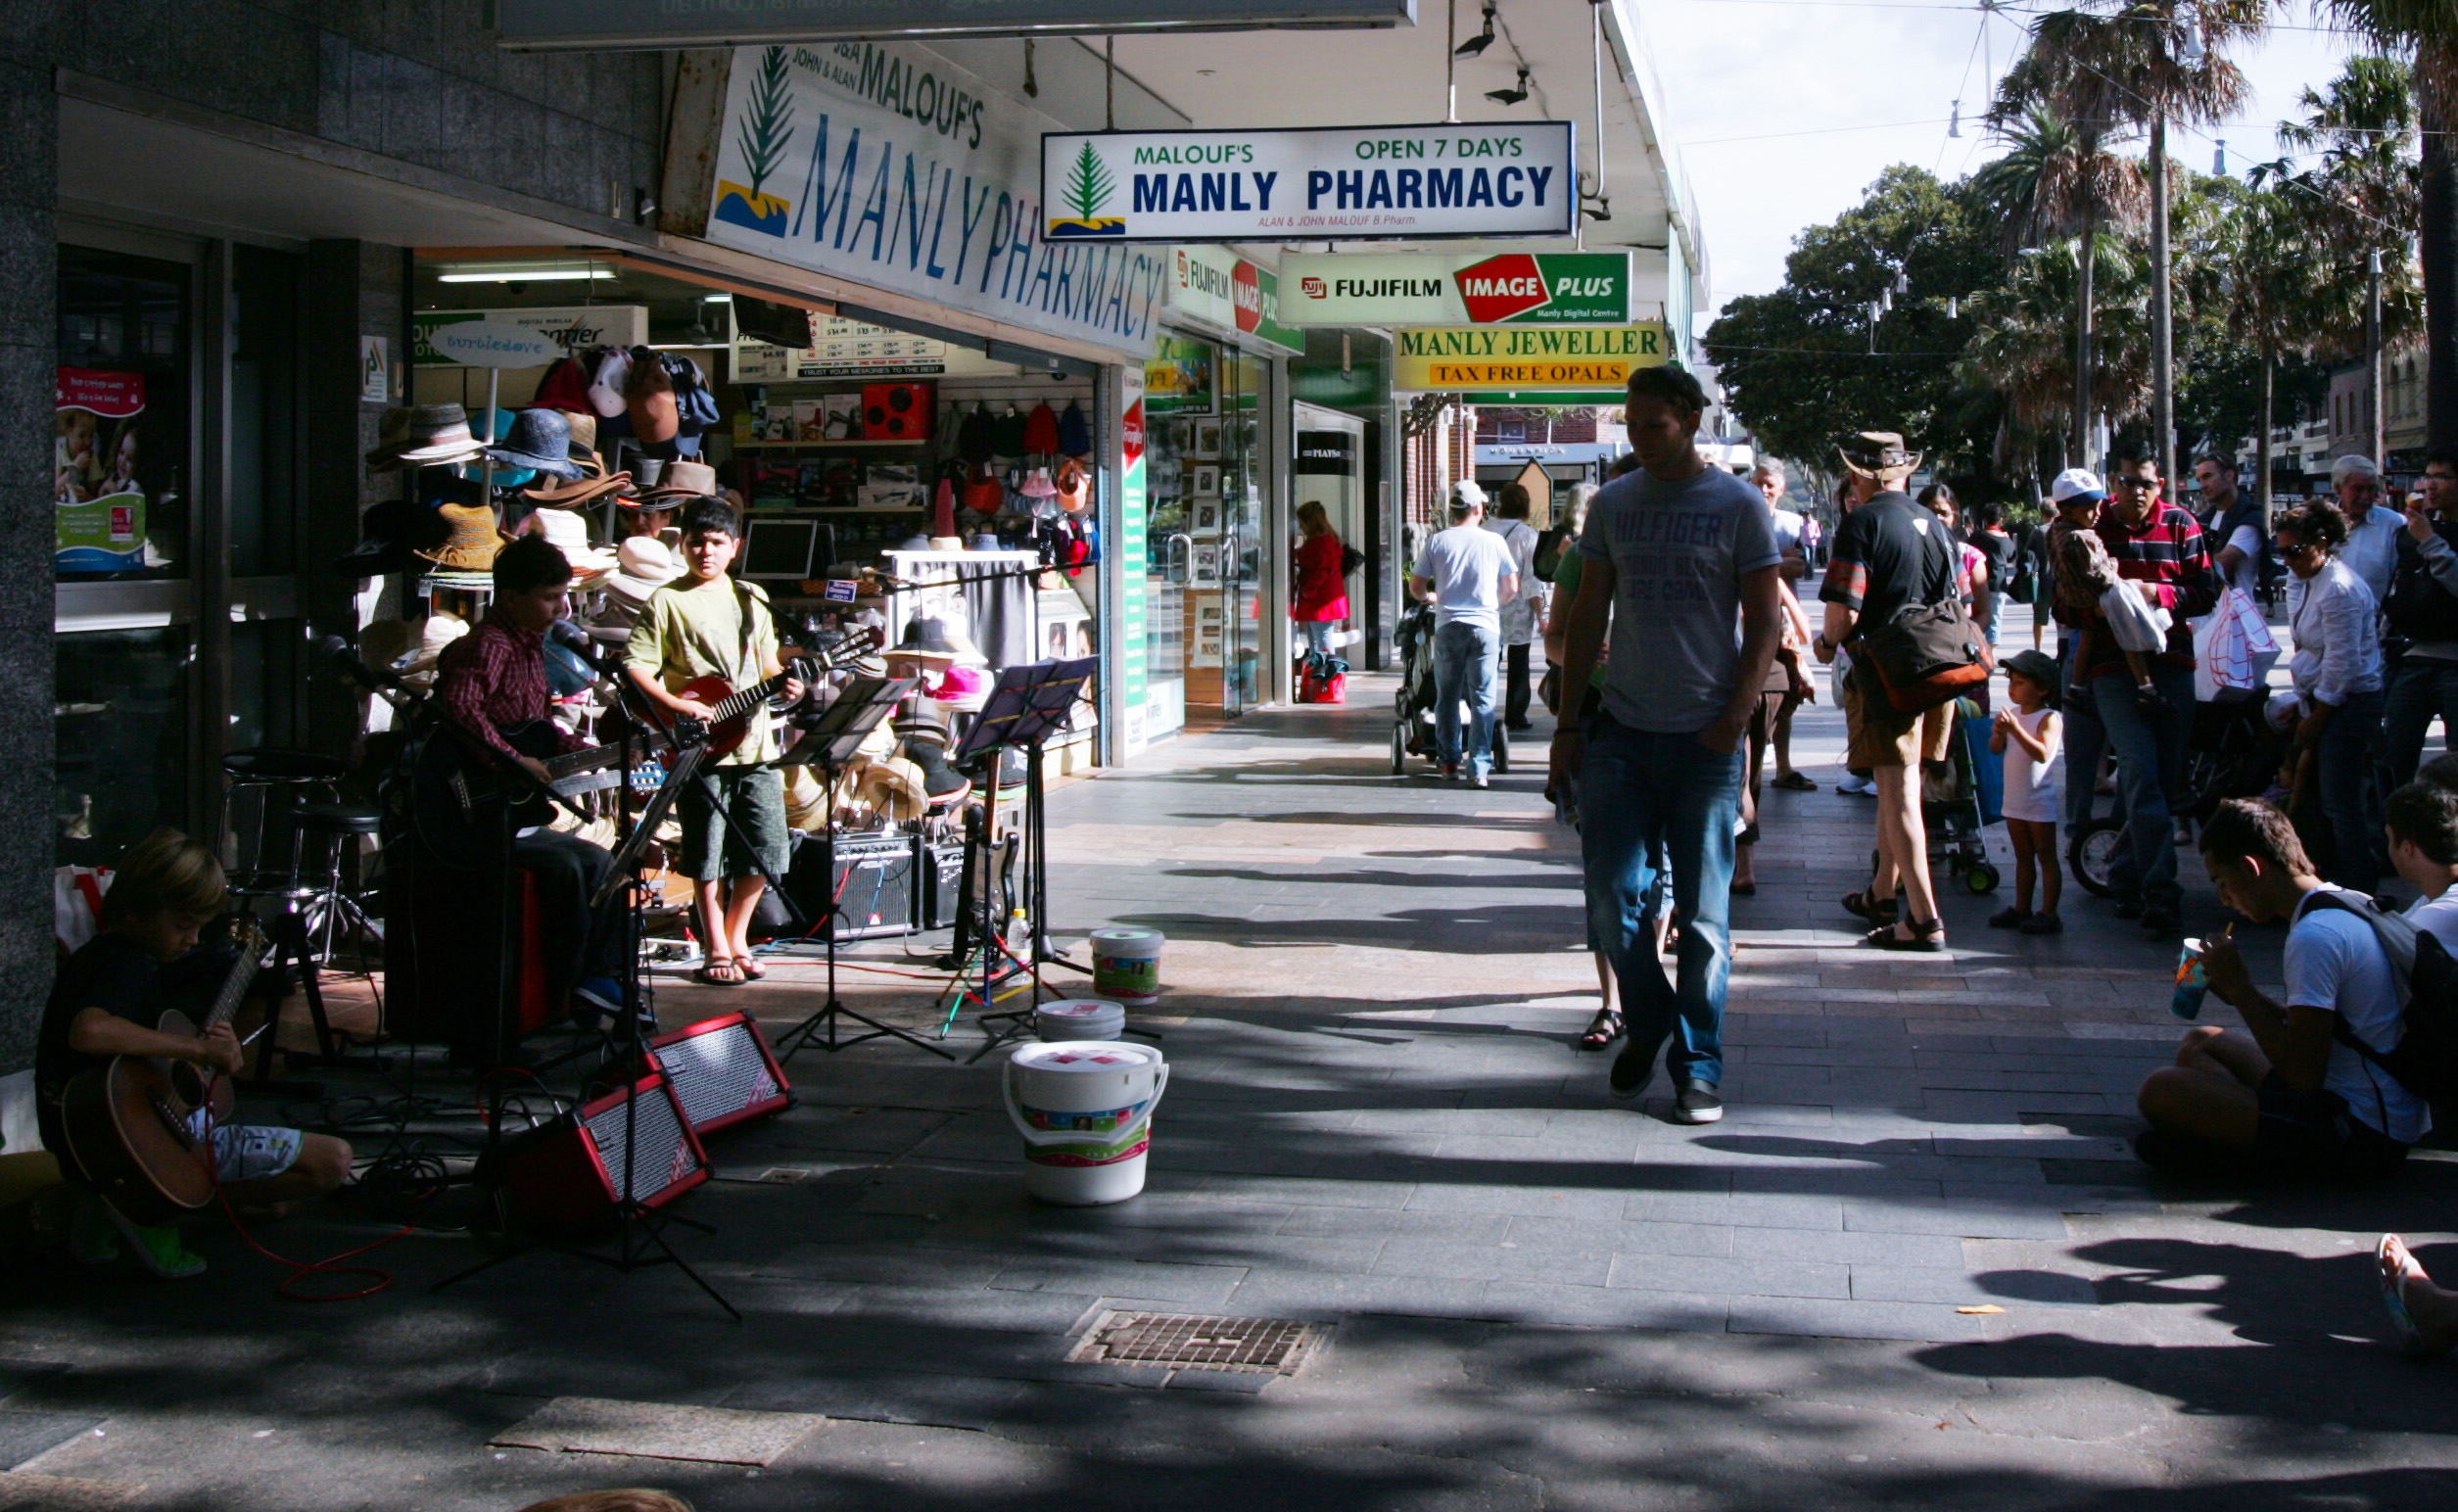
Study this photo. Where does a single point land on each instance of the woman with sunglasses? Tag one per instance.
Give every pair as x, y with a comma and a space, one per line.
2337, 674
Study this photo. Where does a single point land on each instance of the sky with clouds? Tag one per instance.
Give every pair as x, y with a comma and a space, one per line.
1786, 110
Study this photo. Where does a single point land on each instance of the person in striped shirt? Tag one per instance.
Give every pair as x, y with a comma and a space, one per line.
2159, 548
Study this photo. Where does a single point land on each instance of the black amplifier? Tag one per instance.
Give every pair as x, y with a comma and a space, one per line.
942, 885
874, 885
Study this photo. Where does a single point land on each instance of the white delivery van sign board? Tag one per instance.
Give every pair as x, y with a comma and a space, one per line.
890, 167
1337, 184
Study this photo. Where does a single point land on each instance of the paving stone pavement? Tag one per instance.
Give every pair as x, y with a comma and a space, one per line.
1376, 1120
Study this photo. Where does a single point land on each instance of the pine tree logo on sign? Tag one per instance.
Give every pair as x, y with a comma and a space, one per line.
1089, 186
1500, 288
761, 136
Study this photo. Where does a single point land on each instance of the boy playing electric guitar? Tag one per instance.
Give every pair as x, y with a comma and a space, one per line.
707, 624
105, 1002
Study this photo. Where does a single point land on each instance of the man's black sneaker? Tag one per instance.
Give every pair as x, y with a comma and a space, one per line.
2160, 921
1697, 1103
2127, 908
1634, 1068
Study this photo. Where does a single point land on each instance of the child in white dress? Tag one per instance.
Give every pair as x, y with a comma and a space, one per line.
2027, 735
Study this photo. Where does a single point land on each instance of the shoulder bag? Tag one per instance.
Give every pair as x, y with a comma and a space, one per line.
1928, 654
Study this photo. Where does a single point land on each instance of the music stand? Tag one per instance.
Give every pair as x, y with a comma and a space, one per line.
1025, 707
829, 745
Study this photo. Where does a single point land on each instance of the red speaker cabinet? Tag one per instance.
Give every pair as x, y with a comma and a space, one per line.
567, 1174
722, 1072
897, 411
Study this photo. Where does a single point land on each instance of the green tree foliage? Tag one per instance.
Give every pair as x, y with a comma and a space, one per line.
768, 125
1795, 363
1088, 185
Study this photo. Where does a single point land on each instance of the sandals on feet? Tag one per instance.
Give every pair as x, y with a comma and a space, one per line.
1927, 934
1875, 911
707, 976
1795, 782
750, 968
1602, 1031
2395, 1267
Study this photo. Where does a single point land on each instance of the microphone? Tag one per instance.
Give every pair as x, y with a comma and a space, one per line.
383, 681
580, 644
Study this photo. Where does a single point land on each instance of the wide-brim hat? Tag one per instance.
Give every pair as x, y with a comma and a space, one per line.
1879, 456
423, 435
471, 540
681, 478
568, 534
538, 439
578, 490
927, 639
437, 631
642, 566
894, 790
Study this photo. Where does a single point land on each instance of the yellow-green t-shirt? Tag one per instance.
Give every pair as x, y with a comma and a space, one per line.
687, 633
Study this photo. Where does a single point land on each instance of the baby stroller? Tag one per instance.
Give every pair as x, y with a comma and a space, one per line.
1412, 726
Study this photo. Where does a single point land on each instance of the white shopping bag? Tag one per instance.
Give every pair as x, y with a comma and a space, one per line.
2233, 646
2135, 625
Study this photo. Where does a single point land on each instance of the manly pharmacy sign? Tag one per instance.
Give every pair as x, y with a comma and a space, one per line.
891, 166
1352, 182
1511, 288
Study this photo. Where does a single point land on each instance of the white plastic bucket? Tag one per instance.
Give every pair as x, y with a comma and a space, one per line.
1079, 1018
1085, 1111
1126, 965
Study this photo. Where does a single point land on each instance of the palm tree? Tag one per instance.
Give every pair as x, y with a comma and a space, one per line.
2429, 29
2133, 67
2021, 350
2057, 180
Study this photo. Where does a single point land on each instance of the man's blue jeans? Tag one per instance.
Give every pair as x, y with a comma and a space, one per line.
2149, 766
1465, 659
1644, 794
2418, 690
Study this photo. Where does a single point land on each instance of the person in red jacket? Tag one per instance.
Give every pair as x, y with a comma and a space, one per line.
1321, 597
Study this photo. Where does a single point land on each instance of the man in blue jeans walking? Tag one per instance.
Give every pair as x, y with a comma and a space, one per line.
1468, 574
2160, 550
1681, 561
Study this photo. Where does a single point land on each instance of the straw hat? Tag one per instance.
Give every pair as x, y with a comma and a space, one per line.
568, 534
1879, 456
471, 539
681, 480
437, 632
642, 566
423, 435
893, 788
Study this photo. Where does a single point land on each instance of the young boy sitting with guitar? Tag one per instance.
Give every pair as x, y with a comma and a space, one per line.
106, 1003
492, 683
707, 625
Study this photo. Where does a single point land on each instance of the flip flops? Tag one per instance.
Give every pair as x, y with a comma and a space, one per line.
2393, 1267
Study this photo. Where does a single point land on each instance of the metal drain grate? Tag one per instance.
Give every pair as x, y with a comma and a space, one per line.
1258, 1345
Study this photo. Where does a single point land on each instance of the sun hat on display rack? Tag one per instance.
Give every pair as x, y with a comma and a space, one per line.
423, 436
540, 440
568, 534
471, 538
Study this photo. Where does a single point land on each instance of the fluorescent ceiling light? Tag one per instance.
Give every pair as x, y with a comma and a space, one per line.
717, 299
523, 273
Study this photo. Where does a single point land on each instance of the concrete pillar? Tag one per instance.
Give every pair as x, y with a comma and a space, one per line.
355, 289
29, 121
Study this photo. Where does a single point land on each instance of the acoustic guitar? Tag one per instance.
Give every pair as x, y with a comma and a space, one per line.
127, 1123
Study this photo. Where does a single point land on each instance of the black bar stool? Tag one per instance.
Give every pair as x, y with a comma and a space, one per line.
269, 868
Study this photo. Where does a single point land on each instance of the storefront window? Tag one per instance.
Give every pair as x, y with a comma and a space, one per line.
121, 420
122, 727
263, 410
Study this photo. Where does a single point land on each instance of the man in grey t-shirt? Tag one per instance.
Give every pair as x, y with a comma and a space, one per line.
1468, 575
1681, 559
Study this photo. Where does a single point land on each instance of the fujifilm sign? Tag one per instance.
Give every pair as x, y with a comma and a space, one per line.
1427, 288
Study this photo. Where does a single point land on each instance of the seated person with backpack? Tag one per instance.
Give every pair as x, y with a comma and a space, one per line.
2296, 1099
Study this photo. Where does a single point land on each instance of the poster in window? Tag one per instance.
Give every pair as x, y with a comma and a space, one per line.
95, 451
1178, 377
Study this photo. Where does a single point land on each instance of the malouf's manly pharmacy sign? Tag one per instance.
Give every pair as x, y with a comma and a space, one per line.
612, 23
890, 167
1347, 184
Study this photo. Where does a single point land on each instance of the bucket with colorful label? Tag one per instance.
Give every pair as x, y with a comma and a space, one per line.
1085, 1111
1126, 965
1079, 1018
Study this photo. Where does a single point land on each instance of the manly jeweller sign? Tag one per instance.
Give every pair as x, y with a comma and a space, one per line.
1351, 182
1511, 288
1587, 358
891, 166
